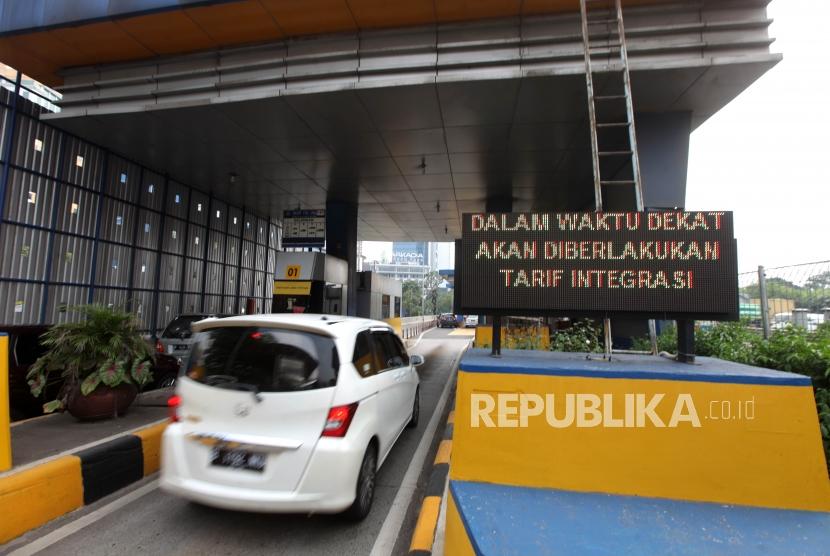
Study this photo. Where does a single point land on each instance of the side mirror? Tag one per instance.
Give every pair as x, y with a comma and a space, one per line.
416, 360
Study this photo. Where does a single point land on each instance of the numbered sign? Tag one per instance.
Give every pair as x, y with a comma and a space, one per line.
292, 271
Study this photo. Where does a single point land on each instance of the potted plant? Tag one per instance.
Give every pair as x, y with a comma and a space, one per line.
103, 360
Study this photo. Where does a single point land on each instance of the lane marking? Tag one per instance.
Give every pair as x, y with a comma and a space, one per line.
418, 341
74, 526
390, 530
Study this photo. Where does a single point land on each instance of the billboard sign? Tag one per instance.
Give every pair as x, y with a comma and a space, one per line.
409, 253
304, 228
667, 264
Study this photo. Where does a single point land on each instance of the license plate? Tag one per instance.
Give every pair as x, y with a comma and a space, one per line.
237, 459
180, 347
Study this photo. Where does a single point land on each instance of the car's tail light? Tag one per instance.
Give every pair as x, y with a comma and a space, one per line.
159, 346
173, 403
339, 419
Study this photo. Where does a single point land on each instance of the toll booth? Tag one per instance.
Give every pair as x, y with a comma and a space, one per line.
310, 283
378, 297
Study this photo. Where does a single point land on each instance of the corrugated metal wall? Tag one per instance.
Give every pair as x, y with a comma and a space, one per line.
82, 224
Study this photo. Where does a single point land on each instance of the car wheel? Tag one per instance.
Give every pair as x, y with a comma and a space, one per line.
365, 492
416, 410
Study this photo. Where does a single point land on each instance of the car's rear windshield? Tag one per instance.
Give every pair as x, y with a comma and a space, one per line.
263, 359
180, 327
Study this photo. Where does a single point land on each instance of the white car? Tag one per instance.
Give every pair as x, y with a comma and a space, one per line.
470, 321
288, 413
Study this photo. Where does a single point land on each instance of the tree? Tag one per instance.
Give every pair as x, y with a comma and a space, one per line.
411, 298
431, 283
445, 298
818, 281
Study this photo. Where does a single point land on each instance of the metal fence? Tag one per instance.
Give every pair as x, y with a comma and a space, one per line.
81, 224
799, 295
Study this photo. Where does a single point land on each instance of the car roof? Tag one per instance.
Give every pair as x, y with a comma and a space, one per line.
204, 315
336, 326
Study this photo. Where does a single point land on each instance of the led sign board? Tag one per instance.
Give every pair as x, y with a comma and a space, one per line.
304, 228
669, 264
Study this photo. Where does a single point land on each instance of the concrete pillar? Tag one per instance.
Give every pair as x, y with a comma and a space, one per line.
663, 146
341, 242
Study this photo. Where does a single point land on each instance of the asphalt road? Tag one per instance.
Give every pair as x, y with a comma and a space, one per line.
160, 523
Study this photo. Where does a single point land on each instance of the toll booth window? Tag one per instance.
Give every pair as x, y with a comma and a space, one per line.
384, 307
363, 359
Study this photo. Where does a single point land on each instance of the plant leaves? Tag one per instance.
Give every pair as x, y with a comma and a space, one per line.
51, 407
90, 383
36, 384
112, 373
142, 372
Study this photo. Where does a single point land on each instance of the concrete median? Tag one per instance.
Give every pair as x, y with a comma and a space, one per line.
44, 490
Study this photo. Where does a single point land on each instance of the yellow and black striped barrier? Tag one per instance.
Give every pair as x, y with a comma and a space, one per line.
424, 535
57, 486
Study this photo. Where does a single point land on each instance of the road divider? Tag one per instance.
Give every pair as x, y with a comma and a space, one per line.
423, 537
44, 491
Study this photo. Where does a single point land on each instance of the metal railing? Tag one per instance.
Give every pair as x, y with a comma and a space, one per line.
412, 327
795, 295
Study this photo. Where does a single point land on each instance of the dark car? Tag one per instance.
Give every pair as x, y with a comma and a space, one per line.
24, 350
447, 320
177, 338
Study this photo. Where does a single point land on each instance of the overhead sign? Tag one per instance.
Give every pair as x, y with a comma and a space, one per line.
303, 228
660, 264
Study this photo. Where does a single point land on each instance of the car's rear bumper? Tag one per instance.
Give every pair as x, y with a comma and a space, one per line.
328, 483
250, 500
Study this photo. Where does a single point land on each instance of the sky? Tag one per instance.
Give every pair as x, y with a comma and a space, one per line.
766, 155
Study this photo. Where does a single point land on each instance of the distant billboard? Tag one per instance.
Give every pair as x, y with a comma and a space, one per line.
409, 252
670, 264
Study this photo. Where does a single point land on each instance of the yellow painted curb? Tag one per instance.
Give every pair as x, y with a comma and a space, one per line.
38, 495
444, 451
424, 534
151, 446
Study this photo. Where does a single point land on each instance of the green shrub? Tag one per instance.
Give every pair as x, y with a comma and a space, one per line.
733, 341
582, 336
795, 350
666, 341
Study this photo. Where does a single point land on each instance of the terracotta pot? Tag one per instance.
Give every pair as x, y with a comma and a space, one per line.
102, 403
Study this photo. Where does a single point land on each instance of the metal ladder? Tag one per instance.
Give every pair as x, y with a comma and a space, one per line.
611, 113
